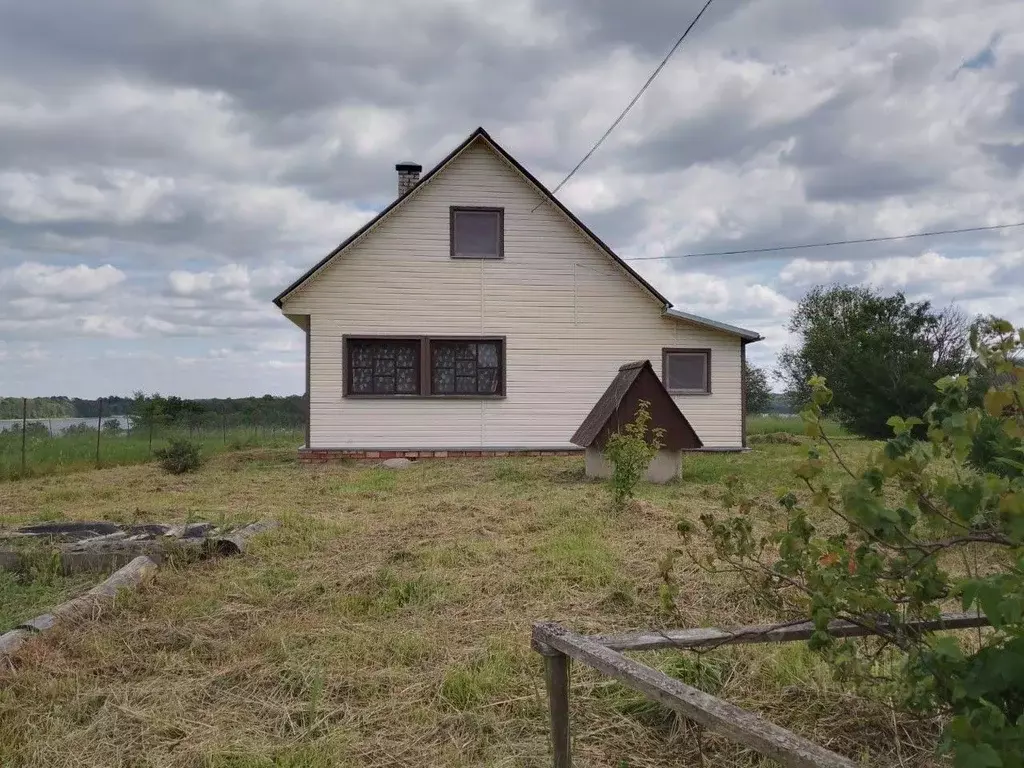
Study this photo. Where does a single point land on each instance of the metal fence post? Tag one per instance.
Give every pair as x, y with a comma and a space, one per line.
99, 428
24, 431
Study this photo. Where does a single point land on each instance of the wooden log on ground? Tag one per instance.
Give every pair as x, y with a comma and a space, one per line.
234, 542
109, 552
88, 605
743, 727
771, 633
13, 640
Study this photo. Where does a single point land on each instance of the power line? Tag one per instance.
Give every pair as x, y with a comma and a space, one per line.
802, 246
636, 98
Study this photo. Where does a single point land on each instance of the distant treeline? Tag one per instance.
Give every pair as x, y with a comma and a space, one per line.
781, 403
268, 409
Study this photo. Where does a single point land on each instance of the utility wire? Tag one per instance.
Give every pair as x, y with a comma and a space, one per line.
801, 246
636, 98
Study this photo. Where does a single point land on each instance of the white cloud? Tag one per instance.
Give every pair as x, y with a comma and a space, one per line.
232, 282
78, 282
928, 274
108, 326
806, 272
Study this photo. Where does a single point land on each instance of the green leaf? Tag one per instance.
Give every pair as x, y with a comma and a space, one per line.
969, 593
976, 756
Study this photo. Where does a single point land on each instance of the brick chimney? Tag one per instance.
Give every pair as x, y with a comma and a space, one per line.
408, 176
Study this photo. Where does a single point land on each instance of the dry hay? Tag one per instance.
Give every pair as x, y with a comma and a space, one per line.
387, 623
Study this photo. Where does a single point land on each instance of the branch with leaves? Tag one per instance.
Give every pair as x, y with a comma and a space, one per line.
920, 524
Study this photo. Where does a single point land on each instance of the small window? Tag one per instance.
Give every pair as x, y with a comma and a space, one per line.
687, 371
477, 233
466, 367
383, 367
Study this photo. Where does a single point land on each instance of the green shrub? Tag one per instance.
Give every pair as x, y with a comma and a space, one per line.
179, 457
918, 526
630, 453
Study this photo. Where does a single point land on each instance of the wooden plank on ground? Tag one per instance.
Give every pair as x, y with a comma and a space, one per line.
771, 633
737, 724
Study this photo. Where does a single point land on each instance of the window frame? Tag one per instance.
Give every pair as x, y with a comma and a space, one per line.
424, 365
705, 351
454, 209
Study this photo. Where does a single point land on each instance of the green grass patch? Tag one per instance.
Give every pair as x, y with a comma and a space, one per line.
793, 425
579, 557
48, 455
367, 483
387, 592
473, 684
704, 672
24, 596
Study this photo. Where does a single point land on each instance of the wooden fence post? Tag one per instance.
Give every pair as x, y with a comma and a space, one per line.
556, 678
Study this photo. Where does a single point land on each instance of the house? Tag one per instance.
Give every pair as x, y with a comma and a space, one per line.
476, 314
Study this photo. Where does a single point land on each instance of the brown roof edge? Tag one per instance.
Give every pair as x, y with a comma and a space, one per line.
664, 410
634, 364
478, 133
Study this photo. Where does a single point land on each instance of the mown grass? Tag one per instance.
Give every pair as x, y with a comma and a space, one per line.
46, 455
24, 596
766, 424
387, 623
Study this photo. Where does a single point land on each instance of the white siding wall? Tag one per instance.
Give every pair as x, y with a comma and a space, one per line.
570, 315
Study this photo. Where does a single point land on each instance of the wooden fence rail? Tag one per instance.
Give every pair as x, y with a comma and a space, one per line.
603, 652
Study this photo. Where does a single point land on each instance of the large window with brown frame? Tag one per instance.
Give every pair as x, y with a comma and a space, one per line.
466, 367
440, 366
383, 367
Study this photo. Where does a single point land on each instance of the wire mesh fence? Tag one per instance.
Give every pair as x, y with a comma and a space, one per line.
40, 446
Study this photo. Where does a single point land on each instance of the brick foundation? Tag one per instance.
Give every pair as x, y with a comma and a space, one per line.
325, 455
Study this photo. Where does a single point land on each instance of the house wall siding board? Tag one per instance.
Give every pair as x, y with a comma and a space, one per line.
571, 318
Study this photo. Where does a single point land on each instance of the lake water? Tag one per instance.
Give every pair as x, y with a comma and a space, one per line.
57, 426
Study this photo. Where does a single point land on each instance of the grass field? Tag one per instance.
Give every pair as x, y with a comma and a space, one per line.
387, 623
767, 424
46, 455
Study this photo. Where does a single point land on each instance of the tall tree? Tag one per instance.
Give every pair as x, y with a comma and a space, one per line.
755, 386
880, 354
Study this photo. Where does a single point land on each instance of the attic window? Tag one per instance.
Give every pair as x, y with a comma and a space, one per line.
686, 371
477, 233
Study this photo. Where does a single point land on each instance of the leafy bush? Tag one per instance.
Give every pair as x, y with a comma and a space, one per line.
179, 457
630, 453
923, 523
81, 428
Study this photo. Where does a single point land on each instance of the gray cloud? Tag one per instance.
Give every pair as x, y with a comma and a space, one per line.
237, 142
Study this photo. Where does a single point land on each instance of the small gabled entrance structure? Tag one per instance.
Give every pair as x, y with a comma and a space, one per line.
617, 407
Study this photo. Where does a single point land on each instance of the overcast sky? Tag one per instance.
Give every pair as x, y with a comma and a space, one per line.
167, 167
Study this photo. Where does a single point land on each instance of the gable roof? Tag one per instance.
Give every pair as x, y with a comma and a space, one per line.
481, 133
617, 407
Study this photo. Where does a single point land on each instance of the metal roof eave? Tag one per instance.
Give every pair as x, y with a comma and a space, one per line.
747, 335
